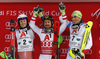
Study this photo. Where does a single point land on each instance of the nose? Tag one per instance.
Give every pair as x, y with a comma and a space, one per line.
73, 18
46, 23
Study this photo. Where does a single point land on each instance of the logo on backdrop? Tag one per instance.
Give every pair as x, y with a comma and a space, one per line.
53, 13
99, 53
63, 51
30, 12
7, 37
89, 52
6, 49
7, 24
97, 13
65, 38
99, 38
99, 25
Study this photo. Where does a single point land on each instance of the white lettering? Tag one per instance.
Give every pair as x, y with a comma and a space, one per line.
31, 12
1, 12
54, 13
46, 13
97, 13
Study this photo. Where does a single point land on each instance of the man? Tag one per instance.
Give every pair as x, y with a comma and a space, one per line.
77, 30
24, 39
46, 33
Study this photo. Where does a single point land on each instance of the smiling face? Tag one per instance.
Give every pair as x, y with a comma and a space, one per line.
23, 23
76, 19
47, 23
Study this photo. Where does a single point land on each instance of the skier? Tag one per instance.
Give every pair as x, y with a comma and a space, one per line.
24, 39
46, 33
77, 30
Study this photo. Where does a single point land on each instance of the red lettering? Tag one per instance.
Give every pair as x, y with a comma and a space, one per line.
46, 37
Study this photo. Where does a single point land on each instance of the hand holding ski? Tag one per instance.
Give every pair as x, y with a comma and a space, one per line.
12, 29
55, 41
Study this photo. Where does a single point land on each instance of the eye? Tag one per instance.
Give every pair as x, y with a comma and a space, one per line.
24, 20
74, 16
21, 21
48, 21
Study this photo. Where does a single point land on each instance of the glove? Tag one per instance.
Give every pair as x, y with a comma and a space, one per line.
62, 8
3, 55
75, 51
60, 39
40, 11
72, 54
78, 52
36, 11
9, 54
81, 54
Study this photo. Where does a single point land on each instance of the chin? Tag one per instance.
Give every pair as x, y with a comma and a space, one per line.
46, 27
75, 23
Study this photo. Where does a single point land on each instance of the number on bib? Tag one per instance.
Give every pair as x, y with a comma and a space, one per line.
24, 42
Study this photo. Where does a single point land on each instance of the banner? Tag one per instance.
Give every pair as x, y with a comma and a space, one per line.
90, 11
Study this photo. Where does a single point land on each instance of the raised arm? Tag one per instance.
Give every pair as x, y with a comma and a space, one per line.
62, 18
37, 11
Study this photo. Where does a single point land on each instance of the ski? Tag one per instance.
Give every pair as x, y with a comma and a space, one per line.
12, 31
55, 40
86, 34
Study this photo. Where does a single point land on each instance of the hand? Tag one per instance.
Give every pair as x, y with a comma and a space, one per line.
2, 54
9, 54
72, 54
40, 11
36, 11
78, 52
81, 54
62, 8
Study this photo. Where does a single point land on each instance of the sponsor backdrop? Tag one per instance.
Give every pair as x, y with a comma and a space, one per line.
90, 11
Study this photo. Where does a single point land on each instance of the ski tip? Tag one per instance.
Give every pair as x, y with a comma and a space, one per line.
89, 22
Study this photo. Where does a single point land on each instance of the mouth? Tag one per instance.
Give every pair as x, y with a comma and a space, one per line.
23, 25
47, 26
74, 21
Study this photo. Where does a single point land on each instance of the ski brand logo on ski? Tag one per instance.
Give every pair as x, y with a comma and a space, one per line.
87, 26
22, 34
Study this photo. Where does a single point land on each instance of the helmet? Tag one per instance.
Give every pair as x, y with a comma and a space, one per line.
48, 17
21, 17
